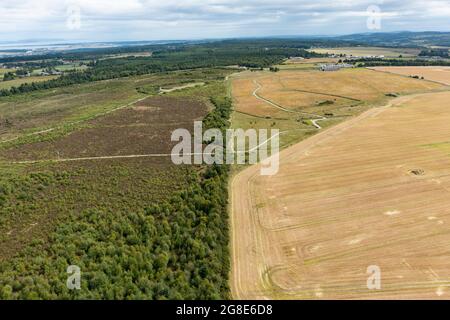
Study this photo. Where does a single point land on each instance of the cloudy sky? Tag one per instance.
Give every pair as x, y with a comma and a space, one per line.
107, 20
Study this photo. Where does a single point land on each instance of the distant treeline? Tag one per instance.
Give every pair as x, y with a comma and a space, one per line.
376, 62
97, 53
399, 39
173, 58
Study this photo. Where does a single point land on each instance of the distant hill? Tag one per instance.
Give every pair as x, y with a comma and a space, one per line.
402, 39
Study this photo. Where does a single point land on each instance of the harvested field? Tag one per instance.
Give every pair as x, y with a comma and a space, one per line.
438, 74
374, 190
311, 61
370, 51
145, 128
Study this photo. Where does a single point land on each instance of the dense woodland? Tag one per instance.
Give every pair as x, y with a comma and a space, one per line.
374, 62
171, 58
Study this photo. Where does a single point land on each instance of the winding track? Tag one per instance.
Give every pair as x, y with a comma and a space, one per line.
134, 156
248, 239
275, 105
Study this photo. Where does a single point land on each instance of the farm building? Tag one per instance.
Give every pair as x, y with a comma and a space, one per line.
334, 67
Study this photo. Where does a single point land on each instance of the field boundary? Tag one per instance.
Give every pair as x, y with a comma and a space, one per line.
408, 77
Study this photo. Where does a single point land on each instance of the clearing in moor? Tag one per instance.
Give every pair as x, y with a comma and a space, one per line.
371, 190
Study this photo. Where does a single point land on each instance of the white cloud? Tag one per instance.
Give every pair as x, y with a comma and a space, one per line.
154, 19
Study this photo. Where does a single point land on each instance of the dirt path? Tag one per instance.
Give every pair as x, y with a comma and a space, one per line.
273, 104
190, 85
134, 156
249, 245
257, 96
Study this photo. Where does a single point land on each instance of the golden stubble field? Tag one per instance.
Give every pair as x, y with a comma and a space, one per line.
437, 74
369, 51
373, 190
308, 91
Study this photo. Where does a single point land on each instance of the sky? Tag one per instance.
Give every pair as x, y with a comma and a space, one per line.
118, 20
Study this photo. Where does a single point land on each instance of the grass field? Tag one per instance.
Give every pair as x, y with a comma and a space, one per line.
144, 128
369, 51
125, 55
438, 74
